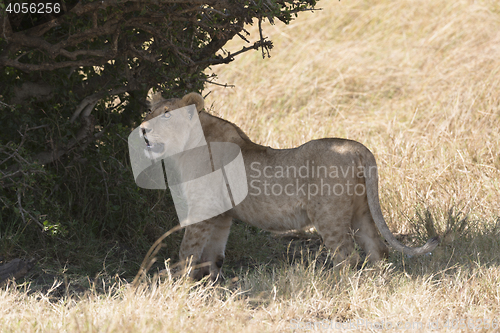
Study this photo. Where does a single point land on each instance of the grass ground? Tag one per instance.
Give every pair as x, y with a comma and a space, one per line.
415, 81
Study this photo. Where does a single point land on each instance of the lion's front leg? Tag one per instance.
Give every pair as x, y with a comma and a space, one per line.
193, 243
213, 253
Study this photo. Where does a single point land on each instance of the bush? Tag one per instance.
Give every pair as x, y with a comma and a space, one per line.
72, 87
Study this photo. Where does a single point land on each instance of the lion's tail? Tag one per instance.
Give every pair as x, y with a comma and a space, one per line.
371, 183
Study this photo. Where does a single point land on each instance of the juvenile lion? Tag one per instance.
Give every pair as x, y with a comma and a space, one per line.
330, 183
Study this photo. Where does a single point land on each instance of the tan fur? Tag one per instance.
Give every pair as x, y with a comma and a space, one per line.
337, 218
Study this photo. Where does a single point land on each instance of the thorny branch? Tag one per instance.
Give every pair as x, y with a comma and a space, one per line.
264, 44
136, 44
221, 20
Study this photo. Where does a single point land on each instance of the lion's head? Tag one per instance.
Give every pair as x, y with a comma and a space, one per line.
168, 128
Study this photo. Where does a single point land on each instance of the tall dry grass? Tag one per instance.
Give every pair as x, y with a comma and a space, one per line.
416, 81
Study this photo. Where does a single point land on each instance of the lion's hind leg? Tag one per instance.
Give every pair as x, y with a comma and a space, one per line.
367, 236
334, 226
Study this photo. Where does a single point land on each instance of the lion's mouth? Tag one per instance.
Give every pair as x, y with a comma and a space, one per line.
151, 146
154, 147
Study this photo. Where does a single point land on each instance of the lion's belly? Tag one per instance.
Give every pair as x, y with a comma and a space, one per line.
272, 216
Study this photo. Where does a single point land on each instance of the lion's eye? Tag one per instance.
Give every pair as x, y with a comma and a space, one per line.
167, 115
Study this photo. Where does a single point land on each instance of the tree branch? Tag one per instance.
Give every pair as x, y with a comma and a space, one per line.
4, 61
230, 57
93, 99
5, 28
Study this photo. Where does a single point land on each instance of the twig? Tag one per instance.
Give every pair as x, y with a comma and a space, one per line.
215, 11
105, 182
262, 38
243, 37
230, 57
22, 211
37, 127
225, 85
2, 104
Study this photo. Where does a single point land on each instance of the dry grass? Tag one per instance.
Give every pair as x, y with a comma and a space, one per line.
418, 82
415, 81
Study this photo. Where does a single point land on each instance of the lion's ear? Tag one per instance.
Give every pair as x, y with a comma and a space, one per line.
154, 98
194, 98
